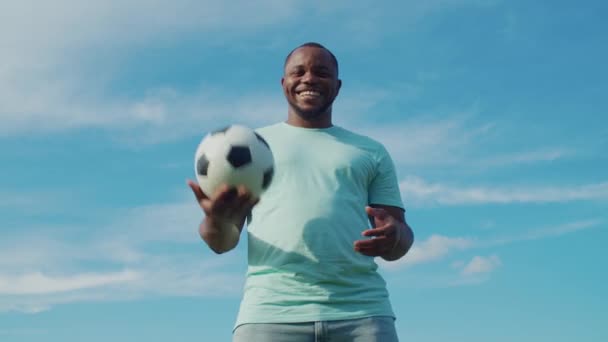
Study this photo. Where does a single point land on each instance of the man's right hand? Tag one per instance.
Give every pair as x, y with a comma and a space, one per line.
225, 211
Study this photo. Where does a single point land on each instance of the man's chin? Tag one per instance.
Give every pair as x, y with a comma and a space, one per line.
310, 112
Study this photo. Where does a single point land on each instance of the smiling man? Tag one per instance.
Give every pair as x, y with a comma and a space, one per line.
310, 84
312, 274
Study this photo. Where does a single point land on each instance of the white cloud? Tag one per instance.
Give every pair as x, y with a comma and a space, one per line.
22, 332
474, 272
168, 222
37, 249
434, 248
424, 141
33, 202
158, 275
438, 247
145, 251
541, 155
38, 283
155, 250
420, 192
191, 275
161, 115
450, 137
67, 24
58, 58
545, 232
480, 265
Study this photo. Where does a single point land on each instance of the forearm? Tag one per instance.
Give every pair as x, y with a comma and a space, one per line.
221, 237
406, 239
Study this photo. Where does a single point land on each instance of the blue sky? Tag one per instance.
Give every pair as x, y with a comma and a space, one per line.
494, 111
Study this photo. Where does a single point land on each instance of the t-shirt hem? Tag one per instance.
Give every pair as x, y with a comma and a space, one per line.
316, 318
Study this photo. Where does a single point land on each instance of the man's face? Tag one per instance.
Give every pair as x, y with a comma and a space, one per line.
310, 82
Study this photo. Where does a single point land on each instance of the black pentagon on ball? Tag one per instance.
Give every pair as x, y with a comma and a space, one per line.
202, 165
261, 139
268, 174
239, 156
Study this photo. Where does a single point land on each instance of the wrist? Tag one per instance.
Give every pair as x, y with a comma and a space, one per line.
400, 246
221, 236
399, 234
217, 224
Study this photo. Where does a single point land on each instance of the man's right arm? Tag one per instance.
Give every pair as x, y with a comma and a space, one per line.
225, 215
221, 237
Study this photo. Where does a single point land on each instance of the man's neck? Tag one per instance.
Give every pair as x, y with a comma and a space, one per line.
322, 121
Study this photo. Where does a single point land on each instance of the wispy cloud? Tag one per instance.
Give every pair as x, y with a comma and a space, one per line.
155, 251
534, 156
22, 332
33, 202
438, 247
474, 272
479, 265
51, 75
452, 137
166, 115
145, 251
161, 115
428, 141
434, 248
62, 58
544, 232
417, 191
161, 276
38, 283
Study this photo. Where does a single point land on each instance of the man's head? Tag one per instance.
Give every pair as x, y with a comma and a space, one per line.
310, 83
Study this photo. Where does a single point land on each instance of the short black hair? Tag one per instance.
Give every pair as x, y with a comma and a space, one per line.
316, 45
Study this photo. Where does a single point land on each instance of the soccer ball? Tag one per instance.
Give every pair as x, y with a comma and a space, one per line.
235, 155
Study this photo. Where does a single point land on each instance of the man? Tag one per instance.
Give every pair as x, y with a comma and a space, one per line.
312, 274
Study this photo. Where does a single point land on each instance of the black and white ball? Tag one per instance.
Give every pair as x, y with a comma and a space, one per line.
235, 155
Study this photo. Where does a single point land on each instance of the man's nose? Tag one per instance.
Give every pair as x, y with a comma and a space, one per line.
309, 77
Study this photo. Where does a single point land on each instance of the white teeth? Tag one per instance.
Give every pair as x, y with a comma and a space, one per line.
310, 93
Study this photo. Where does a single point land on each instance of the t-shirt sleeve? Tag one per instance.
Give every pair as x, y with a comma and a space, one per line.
384, 186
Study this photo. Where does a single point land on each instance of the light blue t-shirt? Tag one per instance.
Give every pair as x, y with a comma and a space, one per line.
302, 265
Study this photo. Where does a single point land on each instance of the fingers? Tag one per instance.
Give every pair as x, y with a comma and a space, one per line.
248, 201
373, 247
382, 241
378, 213
196, 189
229, 202
245, 200
235, 197
376, 231
225, 195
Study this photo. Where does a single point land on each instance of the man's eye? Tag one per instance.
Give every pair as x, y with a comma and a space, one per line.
322, 73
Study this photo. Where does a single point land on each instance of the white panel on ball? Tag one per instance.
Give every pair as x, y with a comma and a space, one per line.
235, 155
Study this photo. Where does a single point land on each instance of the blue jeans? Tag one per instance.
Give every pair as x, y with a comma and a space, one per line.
371, 329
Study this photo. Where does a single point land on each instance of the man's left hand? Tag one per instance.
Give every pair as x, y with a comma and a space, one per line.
385, 235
